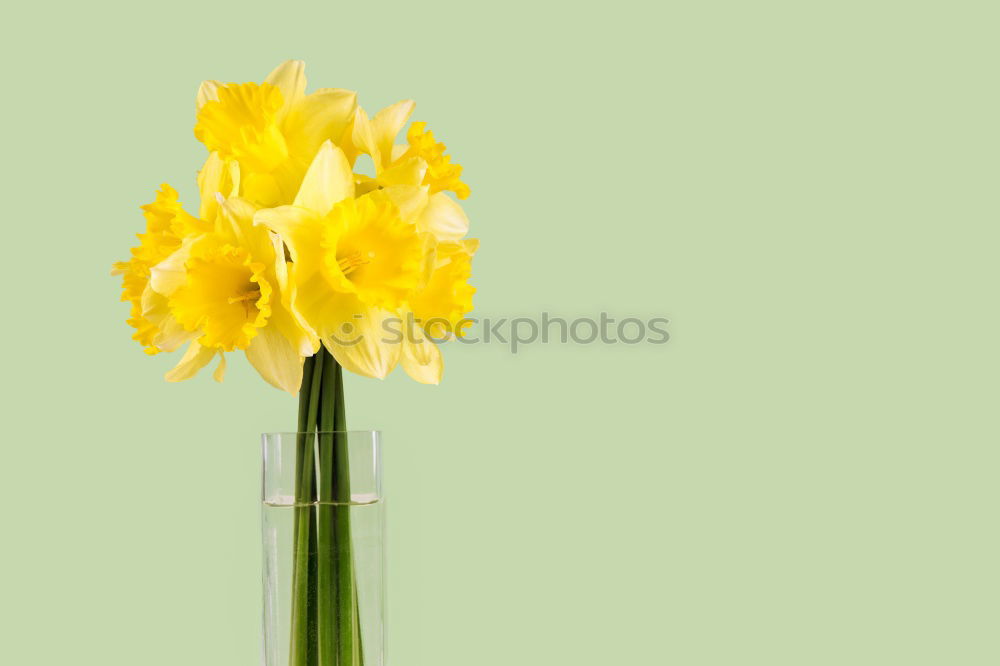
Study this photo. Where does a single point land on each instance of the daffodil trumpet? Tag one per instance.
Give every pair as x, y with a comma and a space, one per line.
301, 261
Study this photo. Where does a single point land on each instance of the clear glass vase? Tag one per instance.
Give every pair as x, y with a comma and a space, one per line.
324, 558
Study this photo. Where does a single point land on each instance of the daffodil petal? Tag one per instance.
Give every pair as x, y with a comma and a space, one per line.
324, 115
399, 150
408, 172
170, 335
285, 316
328, 180
220, 370
290, 78
386, 125
237, 218
363, 135
409, 200
298, 228
421, 359
169, 275
217, 177
444, 218
195, 358
368, 347
276, 359
207, 92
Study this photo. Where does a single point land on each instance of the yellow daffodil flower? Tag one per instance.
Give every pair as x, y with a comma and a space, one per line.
442, 303
272, 129
441, 174
221, 284
437, 310
394, 163
167, 224
415, 176
231, 288
355, 260
359, 261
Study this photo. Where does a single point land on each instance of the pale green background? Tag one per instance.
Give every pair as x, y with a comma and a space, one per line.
805, 475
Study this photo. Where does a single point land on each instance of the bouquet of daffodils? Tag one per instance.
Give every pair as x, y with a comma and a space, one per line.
309, 267
293, 252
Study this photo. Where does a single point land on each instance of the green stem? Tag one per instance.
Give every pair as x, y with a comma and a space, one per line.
347, 616
326, 554
304, 617
325, 618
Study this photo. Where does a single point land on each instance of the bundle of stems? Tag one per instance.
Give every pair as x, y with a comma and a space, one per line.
325, 627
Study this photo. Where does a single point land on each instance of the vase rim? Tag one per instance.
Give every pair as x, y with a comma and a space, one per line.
286, 433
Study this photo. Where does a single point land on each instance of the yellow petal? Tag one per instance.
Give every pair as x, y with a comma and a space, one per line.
421, 358
321, 116
409, 200
285, 316
328, 180
170, 335
220, 370
195, 358
470, 245
444, 218
218, 176
208, 91
276, 359
290, 78
363, 135
407, 172
399, 150
266, 189
236, 218
170, 274
364, 344
386, 125
299, 228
